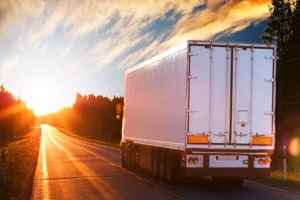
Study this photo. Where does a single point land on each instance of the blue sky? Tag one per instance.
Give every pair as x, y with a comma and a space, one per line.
50, 50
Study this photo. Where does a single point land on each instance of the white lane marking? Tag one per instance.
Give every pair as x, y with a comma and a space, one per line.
271, 187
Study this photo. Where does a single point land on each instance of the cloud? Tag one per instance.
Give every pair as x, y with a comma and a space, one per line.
9, 65
122, 22
218, 17
85, 17
14, 11
138, 56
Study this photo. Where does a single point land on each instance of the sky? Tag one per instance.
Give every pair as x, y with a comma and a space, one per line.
50, 50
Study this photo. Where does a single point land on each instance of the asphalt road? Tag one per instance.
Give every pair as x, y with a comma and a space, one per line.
69, 168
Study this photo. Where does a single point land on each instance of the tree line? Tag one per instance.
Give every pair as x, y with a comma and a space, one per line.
91, 117
283, 28
15, 118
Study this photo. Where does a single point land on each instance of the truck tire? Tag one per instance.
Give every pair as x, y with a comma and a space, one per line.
131, 158
124, 164
162, 165
170, 168
173, 170
155, 163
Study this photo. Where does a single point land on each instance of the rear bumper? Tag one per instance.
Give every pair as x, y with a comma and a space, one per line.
224, 172
229, 165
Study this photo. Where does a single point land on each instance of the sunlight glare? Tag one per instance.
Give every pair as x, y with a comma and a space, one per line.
43, 98
45, 187
294, 147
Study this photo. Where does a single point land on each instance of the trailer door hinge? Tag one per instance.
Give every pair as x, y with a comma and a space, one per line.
269, 113
191, 111
193, 54
270, 57
270, 80
240, 134
193, 77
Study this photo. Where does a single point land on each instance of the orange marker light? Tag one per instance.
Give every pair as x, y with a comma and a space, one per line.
197, 139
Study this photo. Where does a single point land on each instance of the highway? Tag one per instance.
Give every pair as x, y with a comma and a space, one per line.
70, 168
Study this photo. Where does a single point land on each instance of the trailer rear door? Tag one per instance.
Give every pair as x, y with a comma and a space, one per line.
252, 94
230, 93
209, 96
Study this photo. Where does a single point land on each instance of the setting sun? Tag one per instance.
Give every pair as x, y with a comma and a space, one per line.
44, 98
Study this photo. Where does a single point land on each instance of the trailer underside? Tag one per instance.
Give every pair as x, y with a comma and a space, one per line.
174, 165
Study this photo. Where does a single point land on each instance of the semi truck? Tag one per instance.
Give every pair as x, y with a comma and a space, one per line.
201, 109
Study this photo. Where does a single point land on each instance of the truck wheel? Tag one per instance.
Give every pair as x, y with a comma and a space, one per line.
155, 163
173, 170
162, 165
170, 168
131, 158
124, 165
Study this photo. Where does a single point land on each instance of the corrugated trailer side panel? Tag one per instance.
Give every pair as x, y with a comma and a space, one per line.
155, 102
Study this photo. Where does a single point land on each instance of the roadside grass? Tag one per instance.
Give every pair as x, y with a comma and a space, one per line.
276, 179
292, 176
21, 159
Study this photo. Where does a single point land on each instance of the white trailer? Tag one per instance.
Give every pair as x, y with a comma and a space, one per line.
202, 109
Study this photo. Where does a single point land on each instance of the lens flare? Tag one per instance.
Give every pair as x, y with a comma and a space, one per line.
294, 147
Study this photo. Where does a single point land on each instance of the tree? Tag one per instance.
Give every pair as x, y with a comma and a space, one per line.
91, 116
283, 27
15, 117
295, 35
278, 27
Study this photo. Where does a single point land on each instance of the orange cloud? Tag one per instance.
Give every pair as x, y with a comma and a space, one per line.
219, 17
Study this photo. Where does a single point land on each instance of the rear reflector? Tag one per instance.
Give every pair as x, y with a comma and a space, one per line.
197, 139
262, 141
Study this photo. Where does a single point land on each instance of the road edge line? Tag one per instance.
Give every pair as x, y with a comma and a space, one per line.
268, 186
